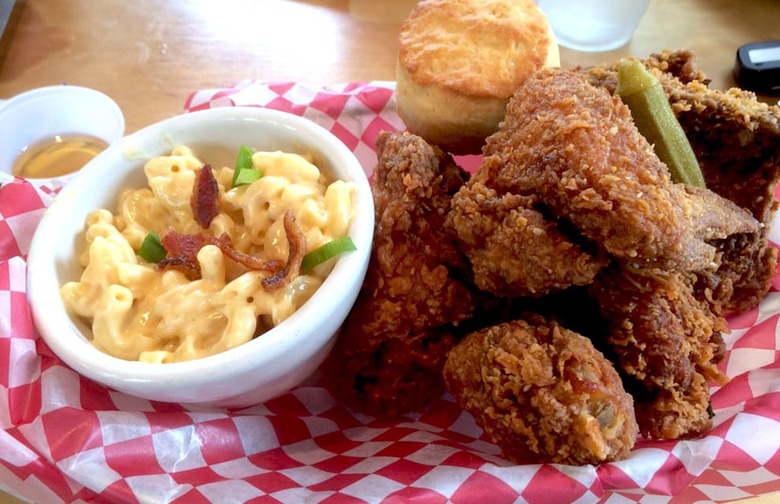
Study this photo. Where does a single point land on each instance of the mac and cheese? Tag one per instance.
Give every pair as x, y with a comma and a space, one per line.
141, 312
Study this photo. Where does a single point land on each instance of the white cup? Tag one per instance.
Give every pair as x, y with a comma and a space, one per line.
45, 113
593, 25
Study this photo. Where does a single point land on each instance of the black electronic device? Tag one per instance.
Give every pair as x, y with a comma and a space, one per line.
758, 67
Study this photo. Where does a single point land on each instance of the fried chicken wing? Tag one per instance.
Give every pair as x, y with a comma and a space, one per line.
740, 160
389, 355
542, 393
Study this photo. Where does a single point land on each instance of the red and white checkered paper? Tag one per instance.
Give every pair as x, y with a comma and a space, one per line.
67, 439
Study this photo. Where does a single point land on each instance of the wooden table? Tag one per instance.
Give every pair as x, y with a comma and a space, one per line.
149, 55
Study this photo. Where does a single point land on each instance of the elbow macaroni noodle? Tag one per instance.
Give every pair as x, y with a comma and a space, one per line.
138, 312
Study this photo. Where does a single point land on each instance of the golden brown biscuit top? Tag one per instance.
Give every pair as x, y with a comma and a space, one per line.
475, 47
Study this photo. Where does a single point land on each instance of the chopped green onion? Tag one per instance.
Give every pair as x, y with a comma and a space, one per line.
151, 248
244, 164
325, 252
246, 177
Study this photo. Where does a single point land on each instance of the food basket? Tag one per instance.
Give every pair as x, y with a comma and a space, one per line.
67, 439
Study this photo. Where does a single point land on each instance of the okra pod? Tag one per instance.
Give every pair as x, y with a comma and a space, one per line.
655, 120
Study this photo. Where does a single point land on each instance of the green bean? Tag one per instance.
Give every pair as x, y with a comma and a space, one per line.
655, 120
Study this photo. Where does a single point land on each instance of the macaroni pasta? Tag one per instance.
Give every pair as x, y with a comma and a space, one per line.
140, 312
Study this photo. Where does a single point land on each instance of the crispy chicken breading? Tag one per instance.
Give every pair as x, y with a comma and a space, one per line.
668, 341
747, 264
514, 249
389, 355
542, 393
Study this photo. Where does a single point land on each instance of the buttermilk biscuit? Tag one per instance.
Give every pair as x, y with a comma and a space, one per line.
459, 62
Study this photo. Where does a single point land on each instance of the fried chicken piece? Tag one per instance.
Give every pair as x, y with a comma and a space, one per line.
542, 393
389, 355
679, 65
514, 249
740, 159
668, 341
570, 152
576, 147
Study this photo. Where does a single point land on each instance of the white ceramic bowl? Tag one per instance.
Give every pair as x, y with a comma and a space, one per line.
253, 372
42, 113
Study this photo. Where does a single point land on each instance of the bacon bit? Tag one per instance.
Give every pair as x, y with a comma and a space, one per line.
182, 254
204, 197
297, 243
182, 251
251, 262
183, 245
191, 270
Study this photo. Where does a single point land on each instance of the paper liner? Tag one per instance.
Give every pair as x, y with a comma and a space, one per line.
67, 439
